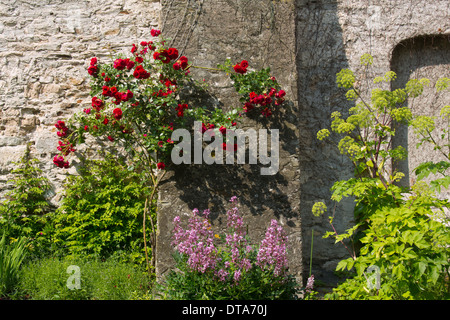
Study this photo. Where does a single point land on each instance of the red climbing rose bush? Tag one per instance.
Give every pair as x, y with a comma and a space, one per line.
136, 102
138, 99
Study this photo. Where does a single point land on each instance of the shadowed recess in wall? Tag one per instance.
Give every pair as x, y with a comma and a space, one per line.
420, 57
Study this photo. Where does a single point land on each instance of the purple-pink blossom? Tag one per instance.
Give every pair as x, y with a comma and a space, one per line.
273, 249
196, 242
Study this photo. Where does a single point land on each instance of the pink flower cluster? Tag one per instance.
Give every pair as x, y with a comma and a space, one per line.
237, 242
273, 250
196, 242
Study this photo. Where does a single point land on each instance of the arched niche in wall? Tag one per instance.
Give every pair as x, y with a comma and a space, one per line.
421, 57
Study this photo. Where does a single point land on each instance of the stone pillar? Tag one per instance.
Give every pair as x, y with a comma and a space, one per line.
262, 32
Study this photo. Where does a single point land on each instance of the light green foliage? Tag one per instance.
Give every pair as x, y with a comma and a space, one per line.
319, 208
415, 87
322, 134
101, 212
345, 78
366, 59
405, 237
442, 84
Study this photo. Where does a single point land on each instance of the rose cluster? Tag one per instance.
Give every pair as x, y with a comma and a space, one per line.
138, 92
65, 147
261, 89
241, 67
60, 162
93, 69
62, 129
265, 101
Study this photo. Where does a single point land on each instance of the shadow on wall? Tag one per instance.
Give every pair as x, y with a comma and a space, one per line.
321, 54
420, 57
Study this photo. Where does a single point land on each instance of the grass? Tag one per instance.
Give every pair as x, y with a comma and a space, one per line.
50, 279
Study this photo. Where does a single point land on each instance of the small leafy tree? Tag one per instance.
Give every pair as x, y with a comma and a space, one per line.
403, 232
22, 213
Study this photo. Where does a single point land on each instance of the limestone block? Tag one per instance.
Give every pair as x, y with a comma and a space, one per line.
10, 141
11, 154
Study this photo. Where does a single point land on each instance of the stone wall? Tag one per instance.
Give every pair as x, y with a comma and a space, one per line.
44, 52
45, 47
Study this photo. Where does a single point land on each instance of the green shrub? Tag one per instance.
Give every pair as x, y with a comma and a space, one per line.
101, 211
48, 279
23, 213
11, 257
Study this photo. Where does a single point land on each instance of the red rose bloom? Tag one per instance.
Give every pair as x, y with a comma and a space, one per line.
241, 67
280, 94
155, 32
172, 53
183, 62
176, 66
223, 130
93, 70
117, 112
161, 165
140, 73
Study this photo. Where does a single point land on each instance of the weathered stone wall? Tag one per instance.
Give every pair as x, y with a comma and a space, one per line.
45, 47
44, 52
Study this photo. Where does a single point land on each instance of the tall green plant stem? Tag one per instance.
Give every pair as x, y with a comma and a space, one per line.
310, 258
153, 233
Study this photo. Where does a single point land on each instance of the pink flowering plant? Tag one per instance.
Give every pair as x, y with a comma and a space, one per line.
138, 100
212, 266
